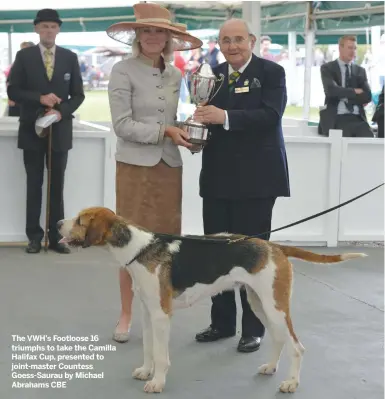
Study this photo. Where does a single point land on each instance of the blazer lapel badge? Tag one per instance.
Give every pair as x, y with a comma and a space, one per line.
244, 89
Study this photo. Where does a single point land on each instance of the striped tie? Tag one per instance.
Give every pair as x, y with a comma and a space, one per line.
232, 79
48, 58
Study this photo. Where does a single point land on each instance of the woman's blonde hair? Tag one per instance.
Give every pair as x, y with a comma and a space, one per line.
168, 51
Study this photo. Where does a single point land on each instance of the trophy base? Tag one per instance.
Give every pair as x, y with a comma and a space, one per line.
197, 145
198, 134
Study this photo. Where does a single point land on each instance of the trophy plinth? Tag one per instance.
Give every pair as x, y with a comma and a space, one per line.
198, 134
202, 86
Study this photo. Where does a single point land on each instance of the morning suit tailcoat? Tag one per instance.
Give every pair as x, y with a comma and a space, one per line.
28, 80
248, 160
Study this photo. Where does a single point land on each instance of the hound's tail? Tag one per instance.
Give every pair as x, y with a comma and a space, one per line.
308, 256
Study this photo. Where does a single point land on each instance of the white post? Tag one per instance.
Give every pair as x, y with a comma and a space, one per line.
332, 218
251, 12
309, 45
292, 41
375, 32
9, 48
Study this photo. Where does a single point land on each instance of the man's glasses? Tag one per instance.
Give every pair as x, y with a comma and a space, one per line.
237, 41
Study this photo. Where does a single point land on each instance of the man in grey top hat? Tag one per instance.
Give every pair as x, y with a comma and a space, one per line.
45, 79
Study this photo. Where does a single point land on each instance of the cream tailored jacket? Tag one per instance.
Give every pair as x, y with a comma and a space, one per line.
143, 101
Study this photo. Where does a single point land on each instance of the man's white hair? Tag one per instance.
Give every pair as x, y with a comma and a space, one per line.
168, 51
246, 23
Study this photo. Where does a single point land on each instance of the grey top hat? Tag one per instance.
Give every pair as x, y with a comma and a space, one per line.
47, 15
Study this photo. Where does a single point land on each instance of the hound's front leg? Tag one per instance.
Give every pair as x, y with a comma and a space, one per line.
144, 372
160, 322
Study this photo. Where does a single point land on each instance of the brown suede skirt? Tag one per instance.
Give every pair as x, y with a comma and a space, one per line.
150, 196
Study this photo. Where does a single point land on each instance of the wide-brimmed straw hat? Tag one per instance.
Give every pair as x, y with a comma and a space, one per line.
153, 15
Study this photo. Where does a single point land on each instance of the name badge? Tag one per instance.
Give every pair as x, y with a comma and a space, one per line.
67, 76
241, 90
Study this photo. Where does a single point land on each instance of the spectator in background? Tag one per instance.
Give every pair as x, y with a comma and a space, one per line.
13, 108
193, 64
83, 67
212, 55
346, 92
179, 62
93, 77
265, 48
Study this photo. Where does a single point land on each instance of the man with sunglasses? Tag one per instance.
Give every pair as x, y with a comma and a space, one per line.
244, 166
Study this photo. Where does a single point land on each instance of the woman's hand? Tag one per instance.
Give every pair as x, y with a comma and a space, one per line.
178, 136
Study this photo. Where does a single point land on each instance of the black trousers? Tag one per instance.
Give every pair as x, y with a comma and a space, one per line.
249, 216
34, 167
353, 126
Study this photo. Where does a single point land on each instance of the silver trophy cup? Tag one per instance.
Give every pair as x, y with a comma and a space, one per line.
202, 82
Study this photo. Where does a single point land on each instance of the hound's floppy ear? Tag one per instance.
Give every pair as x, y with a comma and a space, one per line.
94, 234
91, 237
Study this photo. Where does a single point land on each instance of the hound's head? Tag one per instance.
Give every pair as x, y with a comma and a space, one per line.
95, 226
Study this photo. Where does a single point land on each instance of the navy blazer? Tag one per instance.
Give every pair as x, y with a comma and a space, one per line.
28, 80
248, 160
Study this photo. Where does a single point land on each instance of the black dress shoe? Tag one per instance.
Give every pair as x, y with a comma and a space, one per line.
33, 247
249, 344
211, 334
59, 248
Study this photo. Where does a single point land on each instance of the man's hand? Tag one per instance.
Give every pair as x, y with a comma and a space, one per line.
11, 103
53, 111
210, 114
358, 91
178, 136
50, 100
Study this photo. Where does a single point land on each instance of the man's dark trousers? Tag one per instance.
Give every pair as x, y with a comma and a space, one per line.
34, 162
245, 216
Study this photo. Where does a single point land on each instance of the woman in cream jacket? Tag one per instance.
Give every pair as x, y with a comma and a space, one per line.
143, 95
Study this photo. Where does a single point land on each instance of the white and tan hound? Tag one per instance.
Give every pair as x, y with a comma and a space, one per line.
169, 273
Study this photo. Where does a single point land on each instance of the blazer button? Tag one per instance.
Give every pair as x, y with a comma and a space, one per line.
161, 110
160, 87
160, 123
161, 98
154, 74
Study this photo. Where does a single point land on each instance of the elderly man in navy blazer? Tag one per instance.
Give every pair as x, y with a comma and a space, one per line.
244, 166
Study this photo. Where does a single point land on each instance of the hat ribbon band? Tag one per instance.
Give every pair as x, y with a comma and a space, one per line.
154, 20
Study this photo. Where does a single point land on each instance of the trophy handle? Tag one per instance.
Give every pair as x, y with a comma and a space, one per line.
221, 79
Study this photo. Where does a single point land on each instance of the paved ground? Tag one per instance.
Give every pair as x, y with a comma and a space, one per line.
338, 315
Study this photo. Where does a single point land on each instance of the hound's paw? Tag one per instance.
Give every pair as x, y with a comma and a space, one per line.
267, 369
155, 385
141, 373
289, 385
